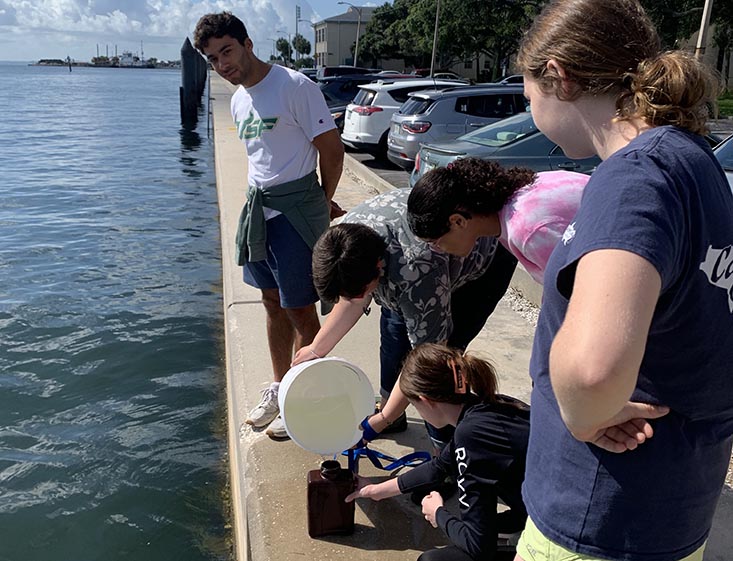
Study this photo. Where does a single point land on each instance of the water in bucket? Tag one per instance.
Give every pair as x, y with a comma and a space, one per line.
322, 403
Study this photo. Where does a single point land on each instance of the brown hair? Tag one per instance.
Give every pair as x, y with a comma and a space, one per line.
427, 371
612, 47
218, 26
466, 186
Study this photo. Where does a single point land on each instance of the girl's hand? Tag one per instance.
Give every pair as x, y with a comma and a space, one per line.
304, 355
430, 505
364, 490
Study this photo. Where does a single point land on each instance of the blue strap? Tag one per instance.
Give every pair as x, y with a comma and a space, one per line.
412, 459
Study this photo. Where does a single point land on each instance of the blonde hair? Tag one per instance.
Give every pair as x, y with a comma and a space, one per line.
612, 47
428, 372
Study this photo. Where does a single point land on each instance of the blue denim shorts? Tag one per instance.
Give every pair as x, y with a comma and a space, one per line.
287, 267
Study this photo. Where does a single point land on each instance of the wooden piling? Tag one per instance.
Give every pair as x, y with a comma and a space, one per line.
194, 70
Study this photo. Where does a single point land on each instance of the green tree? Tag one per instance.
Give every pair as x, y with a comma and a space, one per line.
305, 62
675, 20
301, 45
283, 47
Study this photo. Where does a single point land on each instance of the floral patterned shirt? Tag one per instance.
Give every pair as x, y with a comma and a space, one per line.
417, 280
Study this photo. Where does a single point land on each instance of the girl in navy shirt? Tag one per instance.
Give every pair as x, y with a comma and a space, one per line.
632, 408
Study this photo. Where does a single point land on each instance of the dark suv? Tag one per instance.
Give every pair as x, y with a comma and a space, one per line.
327, 71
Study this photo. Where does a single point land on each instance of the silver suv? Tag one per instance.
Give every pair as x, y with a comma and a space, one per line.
367, 117
430, 116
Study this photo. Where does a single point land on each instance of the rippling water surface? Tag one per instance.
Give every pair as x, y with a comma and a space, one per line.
111, 374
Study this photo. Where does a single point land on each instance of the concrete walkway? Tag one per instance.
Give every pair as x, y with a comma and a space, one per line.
268, 484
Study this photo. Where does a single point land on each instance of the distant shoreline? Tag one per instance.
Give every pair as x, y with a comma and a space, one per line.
63, 63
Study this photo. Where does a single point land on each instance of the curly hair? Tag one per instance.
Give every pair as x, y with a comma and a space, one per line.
612, 47
217, 26
428, 372
467, 186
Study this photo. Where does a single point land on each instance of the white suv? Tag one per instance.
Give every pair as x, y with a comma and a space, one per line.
366, 123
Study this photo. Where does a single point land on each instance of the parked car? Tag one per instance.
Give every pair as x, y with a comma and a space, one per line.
515, 141
440, 116
339, 91
514, 79
724, 153
366, 121
448, 76
310, 72
326, 71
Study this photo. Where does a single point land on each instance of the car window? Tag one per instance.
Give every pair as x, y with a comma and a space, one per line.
400, 95
364, 97
491, 106
415, 106
724, 153
503, 132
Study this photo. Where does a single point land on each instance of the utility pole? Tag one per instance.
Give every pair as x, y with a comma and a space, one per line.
297, 19
435, 37
702, 37
358, 30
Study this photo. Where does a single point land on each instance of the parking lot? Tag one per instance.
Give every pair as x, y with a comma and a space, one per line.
385, 169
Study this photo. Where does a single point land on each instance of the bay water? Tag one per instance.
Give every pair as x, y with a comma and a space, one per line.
112, 439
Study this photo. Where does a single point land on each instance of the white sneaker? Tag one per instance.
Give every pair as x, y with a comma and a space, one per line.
276, 430
266, 410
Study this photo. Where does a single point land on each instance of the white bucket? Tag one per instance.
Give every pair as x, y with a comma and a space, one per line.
322, 403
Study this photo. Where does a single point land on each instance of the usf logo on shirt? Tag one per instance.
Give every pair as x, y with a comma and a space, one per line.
252, 127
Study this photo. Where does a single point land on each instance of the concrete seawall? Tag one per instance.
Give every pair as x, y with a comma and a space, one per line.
268, 486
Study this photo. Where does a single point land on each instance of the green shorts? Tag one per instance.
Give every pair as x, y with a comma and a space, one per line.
534, 546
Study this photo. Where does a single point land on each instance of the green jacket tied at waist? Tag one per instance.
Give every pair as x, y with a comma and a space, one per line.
302, 201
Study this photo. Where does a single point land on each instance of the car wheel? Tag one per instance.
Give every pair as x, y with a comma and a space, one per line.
382, 148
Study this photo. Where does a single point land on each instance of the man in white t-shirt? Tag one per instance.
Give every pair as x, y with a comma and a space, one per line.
282, 118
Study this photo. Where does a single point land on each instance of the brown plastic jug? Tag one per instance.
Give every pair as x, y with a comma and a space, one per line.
328, 513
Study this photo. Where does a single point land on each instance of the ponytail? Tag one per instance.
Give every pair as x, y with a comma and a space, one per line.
672, 88
440, 373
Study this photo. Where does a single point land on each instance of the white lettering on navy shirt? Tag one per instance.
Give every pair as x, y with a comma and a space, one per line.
718, 266
568, 234
462, 464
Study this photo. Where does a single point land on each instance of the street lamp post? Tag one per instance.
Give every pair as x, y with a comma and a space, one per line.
358, 29
702, 37
274, 50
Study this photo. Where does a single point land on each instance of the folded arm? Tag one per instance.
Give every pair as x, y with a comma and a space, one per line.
596, 354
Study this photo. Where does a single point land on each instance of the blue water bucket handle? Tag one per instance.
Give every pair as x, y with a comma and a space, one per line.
412, 459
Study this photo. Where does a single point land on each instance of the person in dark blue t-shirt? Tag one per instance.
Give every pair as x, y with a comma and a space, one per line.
485, 456
632, 404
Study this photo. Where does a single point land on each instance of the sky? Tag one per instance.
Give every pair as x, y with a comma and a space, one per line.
35, 29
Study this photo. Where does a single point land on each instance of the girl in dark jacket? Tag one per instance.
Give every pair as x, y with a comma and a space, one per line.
486, 456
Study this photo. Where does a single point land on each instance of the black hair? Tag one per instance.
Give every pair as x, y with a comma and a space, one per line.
467, 186
345, 261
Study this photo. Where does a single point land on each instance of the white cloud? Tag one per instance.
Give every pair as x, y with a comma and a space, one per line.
33, 29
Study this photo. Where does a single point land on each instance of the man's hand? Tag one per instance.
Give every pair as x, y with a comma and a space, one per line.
430, 505
627, 429
336, 210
